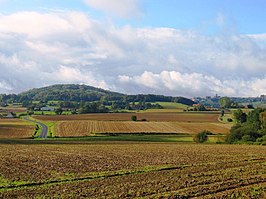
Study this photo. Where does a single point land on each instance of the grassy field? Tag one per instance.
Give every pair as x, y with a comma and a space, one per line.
167, 107
15, 128
128, 170
172, 105
86, 128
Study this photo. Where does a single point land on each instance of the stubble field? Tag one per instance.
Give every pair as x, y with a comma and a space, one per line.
15, 128
175, 123
150, 116
120, 169
86, 128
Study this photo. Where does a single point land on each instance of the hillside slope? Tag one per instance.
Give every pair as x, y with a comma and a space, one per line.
84, 93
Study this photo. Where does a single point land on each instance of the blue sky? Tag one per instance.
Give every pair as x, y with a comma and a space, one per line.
171, 47
248, 15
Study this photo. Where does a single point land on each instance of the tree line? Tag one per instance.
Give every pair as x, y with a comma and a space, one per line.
249, 127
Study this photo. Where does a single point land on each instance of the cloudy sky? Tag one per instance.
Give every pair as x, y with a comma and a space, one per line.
171, 47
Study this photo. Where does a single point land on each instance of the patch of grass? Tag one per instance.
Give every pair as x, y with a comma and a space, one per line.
130, 137
172, 105
44, 113
51, 128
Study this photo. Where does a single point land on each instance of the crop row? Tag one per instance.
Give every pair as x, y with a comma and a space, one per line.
195, 180
15, 128
149, 116
85, 128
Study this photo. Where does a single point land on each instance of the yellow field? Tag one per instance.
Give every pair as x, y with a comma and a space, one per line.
85, 128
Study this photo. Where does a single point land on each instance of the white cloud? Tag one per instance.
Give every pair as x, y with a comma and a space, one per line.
193, 84
74, 75
38, 49
120, 8
260, 37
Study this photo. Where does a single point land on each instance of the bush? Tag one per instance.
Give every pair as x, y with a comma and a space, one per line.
134, 118
201, 137
247, 138
229, 120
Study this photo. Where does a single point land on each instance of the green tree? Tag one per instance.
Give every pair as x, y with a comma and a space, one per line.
225, 102
222, 113
58, 111
201, 137
134, 118
262, 118
240, 116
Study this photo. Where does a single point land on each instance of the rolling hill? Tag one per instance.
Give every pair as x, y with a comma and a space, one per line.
85, 93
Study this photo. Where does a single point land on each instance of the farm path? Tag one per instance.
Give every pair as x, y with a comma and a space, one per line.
44, 131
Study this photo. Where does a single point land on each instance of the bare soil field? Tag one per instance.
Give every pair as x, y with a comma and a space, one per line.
150, 116
86, 128
128, 170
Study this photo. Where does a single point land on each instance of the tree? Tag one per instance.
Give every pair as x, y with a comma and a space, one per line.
225, 102
222, 113
201, 137
240, 116
262, 118
249, 128
134, 118
58, 111
200, 107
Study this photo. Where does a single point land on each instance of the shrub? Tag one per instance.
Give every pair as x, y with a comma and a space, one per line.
134, 118
201, 137
247, 138
229, 120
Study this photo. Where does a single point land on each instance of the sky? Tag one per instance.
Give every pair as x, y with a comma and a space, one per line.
171, 47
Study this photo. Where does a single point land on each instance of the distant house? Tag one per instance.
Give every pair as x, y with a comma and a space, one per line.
11, 115
47, 108
249, 106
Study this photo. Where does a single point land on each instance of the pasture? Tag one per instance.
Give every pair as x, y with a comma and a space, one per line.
121, 170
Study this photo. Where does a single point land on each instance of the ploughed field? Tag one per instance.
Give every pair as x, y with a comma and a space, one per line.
15, 128
122, 169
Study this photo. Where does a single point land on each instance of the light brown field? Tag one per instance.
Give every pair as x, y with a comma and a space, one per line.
14, 109
151, 116
15, 128
85, 128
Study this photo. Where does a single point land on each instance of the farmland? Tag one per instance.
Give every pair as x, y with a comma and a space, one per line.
15, 128
122, 170
85, 128
154, 122
106, 155
150, 116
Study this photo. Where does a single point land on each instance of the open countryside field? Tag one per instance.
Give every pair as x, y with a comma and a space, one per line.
150, 116
120, 170
15, 128
86, 128
15, 109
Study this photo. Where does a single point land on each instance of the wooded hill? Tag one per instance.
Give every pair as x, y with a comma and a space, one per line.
84, 93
